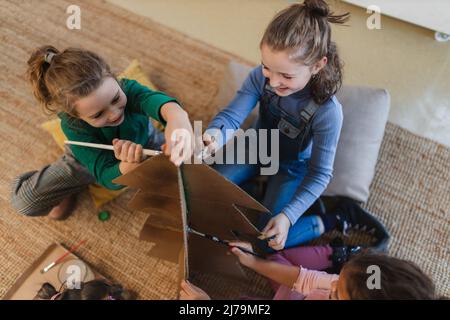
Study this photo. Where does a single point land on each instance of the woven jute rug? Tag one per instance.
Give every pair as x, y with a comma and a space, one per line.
410, 192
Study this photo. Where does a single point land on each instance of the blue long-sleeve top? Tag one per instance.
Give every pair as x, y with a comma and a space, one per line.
324, 136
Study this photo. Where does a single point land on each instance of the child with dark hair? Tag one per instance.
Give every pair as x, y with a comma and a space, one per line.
91, 290
399, 279
294, 275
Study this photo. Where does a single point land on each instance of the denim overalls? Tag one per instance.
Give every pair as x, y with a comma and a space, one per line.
294, 155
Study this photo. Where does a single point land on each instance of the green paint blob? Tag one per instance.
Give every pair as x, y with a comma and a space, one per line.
103, 215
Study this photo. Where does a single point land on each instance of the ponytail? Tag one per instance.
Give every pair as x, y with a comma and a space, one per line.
328, 80
37, 69
59, 78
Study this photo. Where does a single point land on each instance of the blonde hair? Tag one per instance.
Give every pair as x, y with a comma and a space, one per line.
59, 78
304, 30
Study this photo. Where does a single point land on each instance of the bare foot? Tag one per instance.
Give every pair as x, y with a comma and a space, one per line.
64, 209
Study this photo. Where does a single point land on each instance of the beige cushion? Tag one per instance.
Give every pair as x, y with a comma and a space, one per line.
231, 82
366, 112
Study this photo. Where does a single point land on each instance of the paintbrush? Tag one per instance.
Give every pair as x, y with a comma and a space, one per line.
224, 242
147, 152
54, 263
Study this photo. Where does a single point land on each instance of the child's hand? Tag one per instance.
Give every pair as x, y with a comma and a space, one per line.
128, 151
244, 258
190, 292
205, 146
278, 226
210, 145
179, 134
333, 291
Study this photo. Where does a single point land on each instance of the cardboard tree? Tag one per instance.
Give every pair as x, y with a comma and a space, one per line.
193, 196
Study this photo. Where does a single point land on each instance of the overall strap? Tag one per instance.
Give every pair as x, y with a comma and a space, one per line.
307, 114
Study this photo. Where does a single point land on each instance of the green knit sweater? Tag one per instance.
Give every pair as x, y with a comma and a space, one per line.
142, 103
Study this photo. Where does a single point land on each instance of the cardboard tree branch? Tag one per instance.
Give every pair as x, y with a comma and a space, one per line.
198, 197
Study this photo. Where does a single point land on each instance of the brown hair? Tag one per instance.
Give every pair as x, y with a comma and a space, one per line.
399, 279
304, 29
91, 290
59, 78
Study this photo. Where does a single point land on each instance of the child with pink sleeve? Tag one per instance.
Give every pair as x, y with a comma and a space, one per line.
290, 274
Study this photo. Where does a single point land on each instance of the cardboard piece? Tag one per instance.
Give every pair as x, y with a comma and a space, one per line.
198, 197
29, 283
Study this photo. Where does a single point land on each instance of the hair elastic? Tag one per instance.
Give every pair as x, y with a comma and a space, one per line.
49, 57
55, 296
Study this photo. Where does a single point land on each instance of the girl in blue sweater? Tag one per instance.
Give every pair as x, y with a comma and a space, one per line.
300, 73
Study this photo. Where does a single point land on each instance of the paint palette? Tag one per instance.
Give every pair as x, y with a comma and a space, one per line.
74, 271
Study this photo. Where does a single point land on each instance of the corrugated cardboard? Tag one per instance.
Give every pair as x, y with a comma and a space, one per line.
198, 197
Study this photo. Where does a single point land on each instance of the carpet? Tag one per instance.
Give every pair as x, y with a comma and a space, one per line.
410, 192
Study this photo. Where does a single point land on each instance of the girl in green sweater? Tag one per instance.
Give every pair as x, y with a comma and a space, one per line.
94, 106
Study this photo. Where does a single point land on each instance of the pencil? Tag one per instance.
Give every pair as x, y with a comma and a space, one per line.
146, 152
54, 263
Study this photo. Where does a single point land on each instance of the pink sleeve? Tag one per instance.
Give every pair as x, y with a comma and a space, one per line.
309, 280
318, 294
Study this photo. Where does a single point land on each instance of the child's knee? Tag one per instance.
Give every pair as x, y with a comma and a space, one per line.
27, 207
319, 227
23, 202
